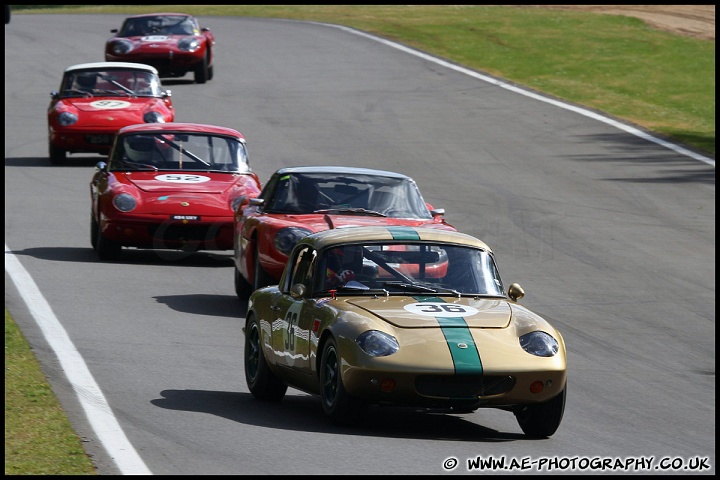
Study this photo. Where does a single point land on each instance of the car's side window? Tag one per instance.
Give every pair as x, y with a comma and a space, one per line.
280, 197
302, 271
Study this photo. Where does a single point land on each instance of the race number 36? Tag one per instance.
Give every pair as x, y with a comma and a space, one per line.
440, 309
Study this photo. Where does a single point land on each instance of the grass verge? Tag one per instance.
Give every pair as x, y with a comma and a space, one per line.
660, 81
39, 439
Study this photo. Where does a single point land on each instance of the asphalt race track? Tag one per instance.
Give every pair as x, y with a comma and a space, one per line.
611, 235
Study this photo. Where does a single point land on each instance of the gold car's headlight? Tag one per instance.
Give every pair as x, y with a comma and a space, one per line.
377, 344
539, 343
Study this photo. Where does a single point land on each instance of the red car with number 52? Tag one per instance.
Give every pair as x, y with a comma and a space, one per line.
169, 186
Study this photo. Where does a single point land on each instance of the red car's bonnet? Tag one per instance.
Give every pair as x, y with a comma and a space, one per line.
188, 182
320, 222
157, 41
123, 103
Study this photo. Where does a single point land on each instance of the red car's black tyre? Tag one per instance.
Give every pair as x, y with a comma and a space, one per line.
243, 289
105, 248
93, 232
261, 278
57, 155
201, 71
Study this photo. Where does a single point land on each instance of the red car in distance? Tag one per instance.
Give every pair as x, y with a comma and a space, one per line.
169, 186
95, 100
298, 201
174, 43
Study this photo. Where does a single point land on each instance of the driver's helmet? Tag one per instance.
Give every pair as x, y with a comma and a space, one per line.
352, 258
86, 81
343, 264
139, 148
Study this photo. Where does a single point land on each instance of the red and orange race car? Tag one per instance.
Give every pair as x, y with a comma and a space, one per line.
297, 201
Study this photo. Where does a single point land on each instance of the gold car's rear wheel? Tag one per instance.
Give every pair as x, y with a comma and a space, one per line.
263, 384
340, 406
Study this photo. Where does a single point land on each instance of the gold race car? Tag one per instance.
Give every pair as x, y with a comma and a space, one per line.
404, 316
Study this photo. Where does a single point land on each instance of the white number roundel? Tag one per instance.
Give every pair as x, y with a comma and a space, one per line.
440, 309
182, 178
109, 104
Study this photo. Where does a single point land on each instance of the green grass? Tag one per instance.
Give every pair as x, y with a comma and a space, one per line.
39, 439
657, 80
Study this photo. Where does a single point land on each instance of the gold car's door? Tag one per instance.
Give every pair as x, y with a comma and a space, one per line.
291, 336
296, 335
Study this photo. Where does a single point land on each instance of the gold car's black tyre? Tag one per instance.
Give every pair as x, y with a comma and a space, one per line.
543, 419
243, 289
340, 406
57, 155
263, 384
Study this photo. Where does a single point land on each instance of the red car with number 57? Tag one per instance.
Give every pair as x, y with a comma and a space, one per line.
96, 100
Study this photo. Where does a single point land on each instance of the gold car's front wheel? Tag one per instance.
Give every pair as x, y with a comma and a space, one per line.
340, 406
263, 384
543, 419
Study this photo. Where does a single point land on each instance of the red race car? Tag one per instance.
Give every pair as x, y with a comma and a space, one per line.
174, 43
96, 100
297, 201
169, 186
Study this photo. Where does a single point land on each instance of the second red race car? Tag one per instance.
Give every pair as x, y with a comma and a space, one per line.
169, 186
297, 201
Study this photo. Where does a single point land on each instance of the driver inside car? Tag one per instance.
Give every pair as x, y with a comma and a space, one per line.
86, 82
341, 265
142, 149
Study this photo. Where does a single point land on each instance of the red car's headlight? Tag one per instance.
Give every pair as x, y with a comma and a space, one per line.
122, 47
153, 117
125, 202
286, 238
66, 119
189, 44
